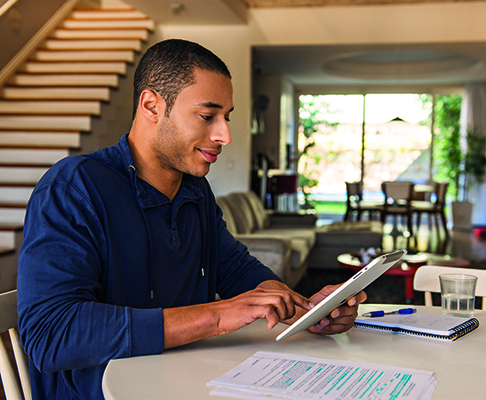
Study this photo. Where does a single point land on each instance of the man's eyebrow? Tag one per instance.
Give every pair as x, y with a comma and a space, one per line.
210, 104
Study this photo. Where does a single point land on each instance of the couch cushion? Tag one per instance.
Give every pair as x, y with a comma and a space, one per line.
299, 254
260, 215
301, 245
227, 214
242, 214
307, 234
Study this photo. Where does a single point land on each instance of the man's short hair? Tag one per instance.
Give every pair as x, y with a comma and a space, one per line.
168, 67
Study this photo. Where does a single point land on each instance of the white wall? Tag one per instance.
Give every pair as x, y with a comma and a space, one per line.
424, 23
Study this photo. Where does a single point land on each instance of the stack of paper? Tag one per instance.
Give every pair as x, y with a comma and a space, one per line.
288, 376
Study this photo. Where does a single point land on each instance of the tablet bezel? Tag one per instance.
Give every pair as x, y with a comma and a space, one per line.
350, 288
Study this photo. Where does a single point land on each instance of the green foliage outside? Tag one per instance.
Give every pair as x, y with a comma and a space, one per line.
311, 112
474, 159
447, 142
330, 207
459, 164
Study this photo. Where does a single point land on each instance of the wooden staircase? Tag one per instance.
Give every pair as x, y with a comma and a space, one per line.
51, 101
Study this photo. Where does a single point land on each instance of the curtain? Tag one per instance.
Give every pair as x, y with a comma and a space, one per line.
473, 114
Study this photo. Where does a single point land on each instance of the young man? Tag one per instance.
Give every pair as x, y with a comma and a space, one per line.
125, 249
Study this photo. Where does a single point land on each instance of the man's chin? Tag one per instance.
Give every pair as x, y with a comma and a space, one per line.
200, 172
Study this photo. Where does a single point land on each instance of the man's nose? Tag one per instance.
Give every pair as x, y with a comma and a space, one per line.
222, 134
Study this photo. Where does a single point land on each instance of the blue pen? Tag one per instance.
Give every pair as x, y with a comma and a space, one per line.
381, 313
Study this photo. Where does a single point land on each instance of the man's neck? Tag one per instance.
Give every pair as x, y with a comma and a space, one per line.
151, 171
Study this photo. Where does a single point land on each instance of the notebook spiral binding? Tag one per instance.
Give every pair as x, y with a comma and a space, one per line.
455, 334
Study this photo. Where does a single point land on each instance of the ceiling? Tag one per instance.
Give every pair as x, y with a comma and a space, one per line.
351, 65
366, 68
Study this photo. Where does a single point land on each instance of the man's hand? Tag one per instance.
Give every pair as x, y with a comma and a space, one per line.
271, 300
275, 303
341, 319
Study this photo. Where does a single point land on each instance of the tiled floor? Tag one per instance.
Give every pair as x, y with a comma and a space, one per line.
461, 244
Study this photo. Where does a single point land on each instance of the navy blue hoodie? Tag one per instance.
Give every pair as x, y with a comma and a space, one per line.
103, 253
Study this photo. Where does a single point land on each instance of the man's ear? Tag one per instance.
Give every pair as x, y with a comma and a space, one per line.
151, 105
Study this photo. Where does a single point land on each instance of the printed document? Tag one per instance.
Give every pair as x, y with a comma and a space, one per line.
289, 376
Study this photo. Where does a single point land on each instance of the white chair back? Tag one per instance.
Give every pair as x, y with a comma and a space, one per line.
8, 322
426, 280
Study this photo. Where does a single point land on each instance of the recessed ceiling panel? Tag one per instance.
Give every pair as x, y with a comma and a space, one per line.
400, 65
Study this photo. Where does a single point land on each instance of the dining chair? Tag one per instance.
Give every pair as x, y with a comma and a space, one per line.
435, 207
398, 198
426, 280
356, 204
14, 390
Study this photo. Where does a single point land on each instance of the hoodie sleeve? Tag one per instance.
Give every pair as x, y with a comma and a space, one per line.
62, 322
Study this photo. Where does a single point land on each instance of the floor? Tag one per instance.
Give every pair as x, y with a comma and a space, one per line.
389, 289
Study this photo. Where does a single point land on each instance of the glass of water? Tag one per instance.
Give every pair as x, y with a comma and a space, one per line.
458, 291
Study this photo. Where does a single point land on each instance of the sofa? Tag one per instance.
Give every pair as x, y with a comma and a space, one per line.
285, 249
289, 243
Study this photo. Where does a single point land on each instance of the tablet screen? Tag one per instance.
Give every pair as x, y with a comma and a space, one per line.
347, 290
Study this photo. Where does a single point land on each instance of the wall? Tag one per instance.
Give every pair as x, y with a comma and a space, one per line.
21, 22
268, 142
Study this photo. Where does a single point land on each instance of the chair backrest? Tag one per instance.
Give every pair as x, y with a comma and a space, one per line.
397, 191
426, 280
8, 322
440, 192
354, 191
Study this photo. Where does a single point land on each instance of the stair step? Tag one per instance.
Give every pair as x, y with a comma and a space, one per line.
66, 93
46, 123
64, 80
21, 175
50, 107
8, 233
107, 14
41, 139
113, 24
32, 157
74, 67
17, 205
120, 55
100, 34
7, 250
10, 227
12, 215
15, 197
54, 44
7, 240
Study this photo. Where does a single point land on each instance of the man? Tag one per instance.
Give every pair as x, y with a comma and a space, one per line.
125, 249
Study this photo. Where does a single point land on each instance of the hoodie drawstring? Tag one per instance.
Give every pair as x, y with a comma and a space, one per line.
133, 177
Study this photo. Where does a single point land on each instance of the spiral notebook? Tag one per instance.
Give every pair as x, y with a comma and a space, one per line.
433, 326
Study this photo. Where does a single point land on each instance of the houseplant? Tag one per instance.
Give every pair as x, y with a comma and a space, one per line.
461, 161
472, 172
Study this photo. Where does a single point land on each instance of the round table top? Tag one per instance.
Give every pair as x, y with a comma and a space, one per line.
182, 373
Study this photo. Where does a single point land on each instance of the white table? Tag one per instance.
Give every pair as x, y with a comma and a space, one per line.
182, 373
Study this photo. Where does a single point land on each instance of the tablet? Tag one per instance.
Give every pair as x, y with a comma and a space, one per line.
342, 294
